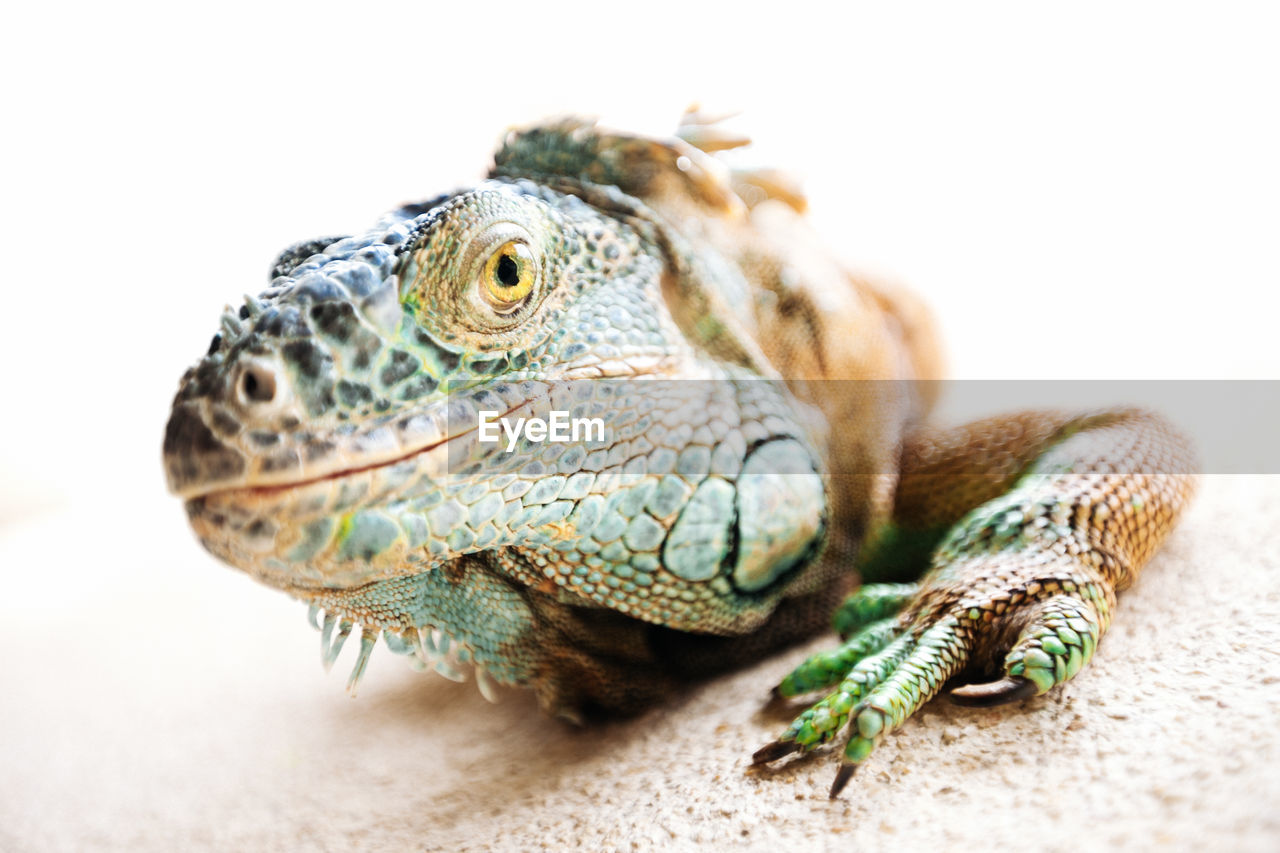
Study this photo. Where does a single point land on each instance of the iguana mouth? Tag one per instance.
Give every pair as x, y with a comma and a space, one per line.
331, 456
251, 491
204, 465
268, 491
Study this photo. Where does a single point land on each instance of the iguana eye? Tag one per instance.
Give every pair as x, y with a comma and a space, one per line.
508, 276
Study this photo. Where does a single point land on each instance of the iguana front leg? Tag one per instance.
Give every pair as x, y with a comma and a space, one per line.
1022, 585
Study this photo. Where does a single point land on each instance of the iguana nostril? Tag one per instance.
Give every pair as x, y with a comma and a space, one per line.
257, 385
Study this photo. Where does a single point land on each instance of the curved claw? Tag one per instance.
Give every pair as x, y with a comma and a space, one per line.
843, 775
1011, 688
774, 751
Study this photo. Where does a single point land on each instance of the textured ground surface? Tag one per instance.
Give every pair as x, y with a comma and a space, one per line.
157, 701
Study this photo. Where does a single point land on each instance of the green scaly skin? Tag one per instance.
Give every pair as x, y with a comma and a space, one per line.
328, 444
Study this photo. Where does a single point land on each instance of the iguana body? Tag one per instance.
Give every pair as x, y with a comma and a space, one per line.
765, 444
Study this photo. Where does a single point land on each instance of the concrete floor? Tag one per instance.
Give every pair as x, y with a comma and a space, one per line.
156, 700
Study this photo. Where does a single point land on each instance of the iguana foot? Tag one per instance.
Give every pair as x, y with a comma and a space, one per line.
1037, 613
864, 621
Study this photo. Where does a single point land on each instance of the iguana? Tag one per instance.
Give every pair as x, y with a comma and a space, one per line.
766, 446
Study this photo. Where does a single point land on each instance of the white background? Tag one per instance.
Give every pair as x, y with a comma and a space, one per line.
1086, 191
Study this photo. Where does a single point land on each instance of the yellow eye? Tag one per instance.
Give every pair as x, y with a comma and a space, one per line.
508, 276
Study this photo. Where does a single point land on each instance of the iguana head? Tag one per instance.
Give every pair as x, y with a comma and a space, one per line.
329, 441
351, 388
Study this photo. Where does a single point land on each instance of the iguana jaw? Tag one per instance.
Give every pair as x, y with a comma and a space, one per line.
337, 527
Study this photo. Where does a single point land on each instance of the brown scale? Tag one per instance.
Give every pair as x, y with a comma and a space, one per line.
1129, 478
